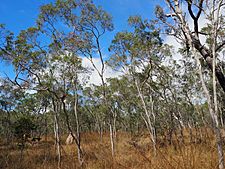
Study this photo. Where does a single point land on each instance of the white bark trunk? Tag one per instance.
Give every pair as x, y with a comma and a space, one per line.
57, 134
112, 139
78, 142
214, 118
147, 118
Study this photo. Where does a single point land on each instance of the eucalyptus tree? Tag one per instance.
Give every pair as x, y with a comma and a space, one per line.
177, 23
29, 58
8, 97
63, 72
93, 103
124, 99
85, 25
140, 54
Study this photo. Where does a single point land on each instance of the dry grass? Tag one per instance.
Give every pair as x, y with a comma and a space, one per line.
130, 154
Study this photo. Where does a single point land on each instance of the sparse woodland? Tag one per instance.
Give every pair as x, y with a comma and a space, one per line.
165, 110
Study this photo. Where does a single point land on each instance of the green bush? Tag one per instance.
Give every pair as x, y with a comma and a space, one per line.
23, 126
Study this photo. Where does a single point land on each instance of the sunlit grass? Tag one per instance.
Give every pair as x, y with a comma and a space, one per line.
187, 155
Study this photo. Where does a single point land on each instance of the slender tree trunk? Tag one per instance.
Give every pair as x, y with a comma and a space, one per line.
76, 137
215, 23
79, 150
112, 139
46, 138
216, 123
101, 132
56, 131
114, 125
147, 118
221, 116
8, 132
214, 117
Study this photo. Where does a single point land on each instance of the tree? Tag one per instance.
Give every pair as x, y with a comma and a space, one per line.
85, 31
176, 24
23, 127
140, 54
30, 56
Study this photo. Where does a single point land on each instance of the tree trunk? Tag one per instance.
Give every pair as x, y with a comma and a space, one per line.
112, 139
76, 137
214, 118
147, 118
56, 131
79, 150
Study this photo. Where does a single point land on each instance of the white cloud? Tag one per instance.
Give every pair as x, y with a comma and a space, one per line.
94, 76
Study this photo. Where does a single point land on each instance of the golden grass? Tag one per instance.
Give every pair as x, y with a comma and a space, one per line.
129, 154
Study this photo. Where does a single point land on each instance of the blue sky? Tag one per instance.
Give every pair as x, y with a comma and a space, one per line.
21, 14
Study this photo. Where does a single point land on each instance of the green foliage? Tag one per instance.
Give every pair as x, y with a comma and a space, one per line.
48, 59
141, 45
23, 126
160, 13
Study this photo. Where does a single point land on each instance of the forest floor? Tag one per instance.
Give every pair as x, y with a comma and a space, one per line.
131, 153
